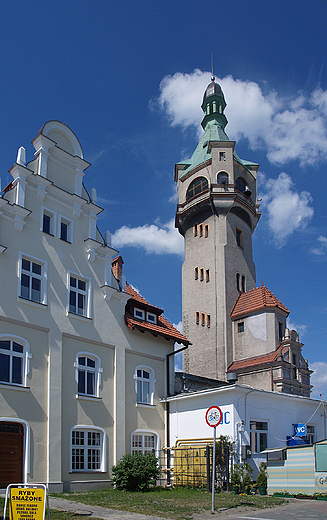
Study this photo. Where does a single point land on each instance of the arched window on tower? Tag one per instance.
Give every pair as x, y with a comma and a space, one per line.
240, 184
197, 186
222, 177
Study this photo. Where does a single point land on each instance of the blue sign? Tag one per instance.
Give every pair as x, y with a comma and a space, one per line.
300, 430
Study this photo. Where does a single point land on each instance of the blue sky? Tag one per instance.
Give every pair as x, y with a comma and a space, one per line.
128, 78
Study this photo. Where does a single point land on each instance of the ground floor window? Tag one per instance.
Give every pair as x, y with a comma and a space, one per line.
258, 435
145, 442
87, 449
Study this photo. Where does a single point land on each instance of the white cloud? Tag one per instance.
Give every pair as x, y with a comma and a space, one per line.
322, 246
287, 210
319, 379
154, 238
300, 329
288, 128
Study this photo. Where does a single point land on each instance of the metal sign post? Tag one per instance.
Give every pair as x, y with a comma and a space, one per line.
213, 418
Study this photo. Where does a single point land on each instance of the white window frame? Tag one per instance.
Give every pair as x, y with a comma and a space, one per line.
86, 293
70, 228
42, 277
142, 448
254, 432
141, 311
102, 448
53, 220
25, 356
151, 317
141, 379
97, 370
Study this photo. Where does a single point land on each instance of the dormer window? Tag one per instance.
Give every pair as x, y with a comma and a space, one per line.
139, 313
151, 318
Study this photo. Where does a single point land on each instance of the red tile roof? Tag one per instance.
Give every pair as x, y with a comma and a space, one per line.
161, 328
255, 361
255, 300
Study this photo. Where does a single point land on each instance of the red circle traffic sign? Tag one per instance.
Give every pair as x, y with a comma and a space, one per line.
213, 416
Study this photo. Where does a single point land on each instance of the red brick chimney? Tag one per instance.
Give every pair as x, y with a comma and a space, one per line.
117, 267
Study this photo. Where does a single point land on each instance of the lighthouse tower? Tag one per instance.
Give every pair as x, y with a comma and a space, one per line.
217, 213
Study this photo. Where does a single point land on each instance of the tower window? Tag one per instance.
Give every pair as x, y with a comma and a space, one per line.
197, 317
207, 275
203, 319
206, 231
222, 156
208, 321
240, 184
195, 230
197, 186
280, 331
201, 230
201, 274
239, 237
243, 283
196, 273
222, 177
238, 285
240, 326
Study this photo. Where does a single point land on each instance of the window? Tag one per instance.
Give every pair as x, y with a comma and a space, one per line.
65, 229
14, 360
144, 384
206, 231
195, 230
201, 230
203, 319
222, 156
311, 433
258, 436
32, 279
196, 273
146, 442
48, 221
87, 449
88, 374
240, 282
240, 184
207, 275
201, 274
243, 284
222, 177
240, 326
197, 186
239, 237
79, 295
139, 313
197, 317
280, 331
151, 318
208, 321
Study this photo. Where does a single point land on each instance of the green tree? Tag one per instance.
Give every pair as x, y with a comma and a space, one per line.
136, 472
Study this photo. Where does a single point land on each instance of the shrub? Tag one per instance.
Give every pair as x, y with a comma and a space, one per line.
135, 472
262, 475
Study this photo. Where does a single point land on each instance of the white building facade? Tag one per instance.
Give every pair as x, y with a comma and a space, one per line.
254, 419
80, 378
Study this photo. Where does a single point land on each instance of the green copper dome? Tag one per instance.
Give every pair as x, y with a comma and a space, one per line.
213, 105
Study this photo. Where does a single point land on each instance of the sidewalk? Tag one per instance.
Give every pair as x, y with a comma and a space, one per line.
95, 511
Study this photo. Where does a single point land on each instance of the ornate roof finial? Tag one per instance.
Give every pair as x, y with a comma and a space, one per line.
212, 76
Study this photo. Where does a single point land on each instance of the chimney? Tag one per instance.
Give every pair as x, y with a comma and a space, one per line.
117, 267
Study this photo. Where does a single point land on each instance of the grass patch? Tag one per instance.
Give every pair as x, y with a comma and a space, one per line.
177, 503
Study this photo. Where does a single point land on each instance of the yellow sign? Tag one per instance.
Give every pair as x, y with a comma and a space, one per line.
27, 504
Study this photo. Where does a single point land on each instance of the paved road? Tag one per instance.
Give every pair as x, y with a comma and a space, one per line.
295, 510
